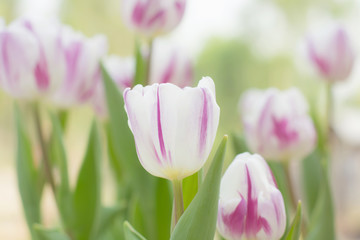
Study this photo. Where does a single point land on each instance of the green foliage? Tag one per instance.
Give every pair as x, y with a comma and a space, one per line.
199, 220
163, 208
142, 184
131, 233
312, 178
87, 192
295, 229
29, 182
50, 234
190, 187
141, 70
58, 157
279, 172
107, 217
322, 217
239, 143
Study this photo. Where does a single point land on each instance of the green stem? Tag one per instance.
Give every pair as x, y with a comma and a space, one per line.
149, 62
45, 155
178, 207
329, 120
289, 184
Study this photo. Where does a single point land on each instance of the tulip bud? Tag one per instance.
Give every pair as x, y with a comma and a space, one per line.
81, 58
174, 129
332, 54
277, 124
121, 71
152, 17
250, 204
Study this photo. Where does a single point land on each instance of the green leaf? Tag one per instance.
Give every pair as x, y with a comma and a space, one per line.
50, 234
121, 136
131, 233
87, 191
322, 219
295, 228
312, 178
190, 188
163, 207
124, 152
279, 173
199, 220
58, 157
238, 143
107, 217
27, 176
141, 66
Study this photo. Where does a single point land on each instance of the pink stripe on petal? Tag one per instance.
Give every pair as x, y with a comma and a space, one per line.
139, 12
204, 123
160, 134
41, 72
321, 63
254, 223
158, 17
169, 71
235, 221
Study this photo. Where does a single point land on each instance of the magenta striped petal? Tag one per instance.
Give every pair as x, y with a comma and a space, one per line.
331, 53
174, 128
250, 204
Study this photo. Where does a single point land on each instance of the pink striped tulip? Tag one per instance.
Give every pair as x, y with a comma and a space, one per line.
277, 124
152, 17
81, 60
174, 129
332, 54
26, 60
250, 204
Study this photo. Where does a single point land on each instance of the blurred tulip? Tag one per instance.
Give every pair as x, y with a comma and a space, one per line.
81, 58
174, 128
152, 17
332, 54
250, 204
45, 59
169, 65
122, 72
277, 124
26, 59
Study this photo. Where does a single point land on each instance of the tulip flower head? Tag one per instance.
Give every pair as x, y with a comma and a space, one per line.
250, 204
152, 17
81, 58
174, 129
277, 124
28, 59
332, 54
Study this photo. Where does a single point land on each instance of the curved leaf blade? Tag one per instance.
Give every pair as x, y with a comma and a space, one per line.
199, 220
27, 176
295, 228
131, 233
87, 192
